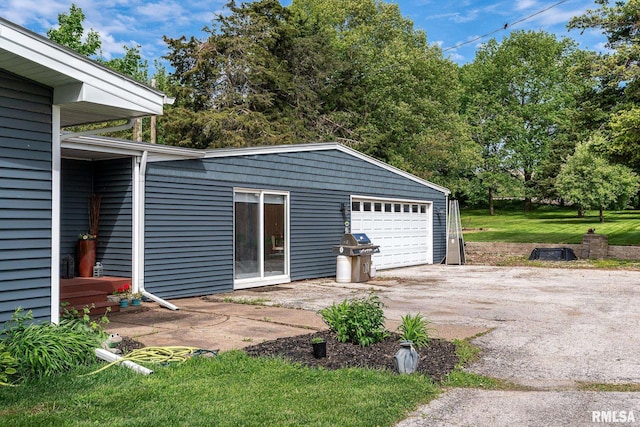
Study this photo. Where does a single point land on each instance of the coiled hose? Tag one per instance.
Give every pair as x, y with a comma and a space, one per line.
158, 355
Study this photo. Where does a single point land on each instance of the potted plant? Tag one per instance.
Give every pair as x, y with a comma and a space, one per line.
124, 293
87, 241
114, 297
136, 298
319, 347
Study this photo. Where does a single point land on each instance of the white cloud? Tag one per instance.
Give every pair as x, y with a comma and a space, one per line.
456, 57
160, 11
467, 17
526, 4
23, 12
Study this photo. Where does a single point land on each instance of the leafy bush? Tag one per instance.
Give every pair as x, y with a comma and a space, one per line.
414, 328
7, 365
70, 313
359, 320
48, 349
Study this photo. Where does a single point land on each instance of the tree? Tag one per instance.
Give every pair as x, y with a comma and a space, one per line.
353, 71
517, 95
70, 33
589, 181
393, 95
131, 64
619, 72
256, 79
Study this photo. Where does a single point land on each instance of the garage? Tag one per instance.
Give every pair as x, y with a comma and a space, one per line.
402, 228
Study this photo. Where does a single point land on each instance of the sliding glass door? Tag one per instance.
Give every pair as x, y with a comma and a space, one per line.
261, 238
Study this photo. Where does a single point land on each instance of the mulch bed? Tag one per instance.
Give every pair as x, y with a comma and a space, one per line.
436, 360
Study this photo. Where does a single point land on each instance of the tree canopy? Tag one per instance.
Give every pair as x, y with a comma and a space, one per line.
517, 96
351, 71
359, 73
589, 181
70, 33
619, 73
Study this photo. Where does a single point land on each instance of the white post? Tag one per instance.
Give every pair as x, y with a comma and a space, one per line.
56, 166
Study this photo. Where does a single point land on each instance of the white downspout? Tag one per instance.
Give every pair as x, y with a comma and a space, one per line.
140, 171
135, 222
56, 167
446, 228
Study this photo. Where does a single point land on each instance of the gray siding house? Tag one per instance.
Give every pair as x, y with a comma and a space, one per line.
178, 222
44, 87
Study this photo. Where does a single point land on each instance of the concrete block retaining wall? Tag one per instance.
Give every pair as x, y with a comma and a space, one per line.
481, 250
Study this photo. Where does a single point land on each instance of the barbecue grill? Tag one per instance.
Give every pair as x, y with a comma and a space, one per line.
358, 248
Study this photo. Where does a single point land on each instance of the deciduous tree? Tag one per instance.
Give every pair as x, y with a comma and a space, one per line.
70, 33
518, 94
619, 71
590, 181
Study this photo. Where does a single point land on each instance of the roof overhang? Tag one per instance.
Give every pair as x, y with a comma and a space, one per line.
86, 91
103, 148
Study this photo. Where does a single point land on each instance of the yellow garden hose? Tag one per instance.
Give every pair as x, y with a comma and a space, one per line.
157, 355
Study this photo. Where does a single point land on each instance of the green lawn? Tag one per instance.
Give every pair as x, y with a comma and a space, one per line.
231, 389
549, 224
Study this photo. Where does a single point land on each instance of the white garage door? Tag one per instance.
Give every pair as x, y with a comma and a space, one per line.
401, 228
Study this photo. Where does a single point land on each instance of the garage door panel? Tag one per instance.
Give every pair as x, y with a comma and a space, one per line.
403, 236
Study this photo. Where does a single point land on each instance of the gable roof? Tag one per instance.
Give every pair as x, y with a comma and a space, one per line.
111, 147
85, 90
320, 146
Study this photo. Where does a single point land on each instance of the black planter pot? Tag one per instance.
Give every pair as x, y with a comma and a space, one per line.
319, 349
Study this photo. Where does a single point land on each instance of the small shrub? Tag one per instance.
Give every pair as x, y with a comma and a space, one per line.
7, 365
414, 328
71, 314
335, 317
48, 349
359, 320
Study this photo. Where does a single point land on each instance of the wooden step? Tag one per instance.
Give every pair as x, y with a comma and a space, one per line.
104, 284
85, 297
99, 309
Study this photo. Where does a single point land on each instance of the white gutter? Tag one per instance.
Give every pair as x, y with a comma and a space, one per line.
139, 174
157, 152
90, 132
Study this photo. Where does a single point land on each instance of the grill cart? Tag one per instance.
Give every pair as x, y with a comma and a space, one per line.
357, 248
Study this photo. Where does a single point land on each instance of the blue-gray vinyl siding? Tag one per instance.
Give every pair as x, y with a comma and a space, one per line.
77, 177
113, 182
111, 179
25, 197
188, 236
189, 213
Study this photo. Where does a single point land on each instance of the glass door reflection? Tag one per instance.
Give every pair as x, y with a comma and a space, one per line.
274, 235
247, 235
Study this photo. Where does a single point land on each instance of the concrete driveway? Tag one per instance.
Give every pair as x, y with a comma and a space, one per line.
547, 330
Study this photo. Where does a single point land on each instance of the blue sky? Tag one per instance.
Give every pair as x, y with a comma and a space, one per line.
447, 23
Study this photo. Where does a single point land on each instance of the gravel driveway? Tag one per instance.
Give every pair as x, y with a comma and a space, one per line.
550, 330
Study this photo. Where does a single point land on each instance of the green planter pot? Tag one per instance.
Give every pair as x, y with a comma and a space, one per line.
135, 302
124, 303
